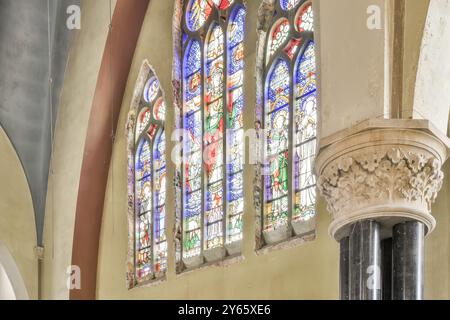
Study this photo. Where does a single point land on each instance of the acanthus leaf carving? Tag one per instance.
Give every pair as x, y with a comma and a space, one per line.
359, 180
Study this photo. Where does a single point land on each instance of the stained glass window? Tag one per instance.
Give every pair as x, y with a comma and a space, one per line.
290, 121
212, 91
150, 184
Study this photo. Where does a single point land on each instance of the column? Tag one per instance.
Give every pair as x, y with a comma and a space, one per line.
344, 280
408, 261
364, 261
380, 179
386, 268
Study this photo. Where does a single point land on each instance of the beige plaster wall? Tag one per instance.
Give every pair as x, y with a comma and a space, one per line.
70, 134
309, 271
415, 17
426, 50
306, 271
432, 92
17, 224
352, 64
437, 246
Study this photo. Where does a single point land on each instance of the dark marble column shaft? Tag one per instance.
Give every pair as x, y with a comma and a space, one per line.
408, 261
365, 261
344, 280
386, 268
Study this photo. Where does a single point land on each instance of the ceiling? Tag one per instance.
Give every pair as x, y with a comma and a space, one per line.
34, 51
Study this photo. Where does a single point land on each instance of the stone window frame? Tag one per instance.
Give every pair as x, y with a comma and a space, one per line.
265, 22
145, 73
177, 84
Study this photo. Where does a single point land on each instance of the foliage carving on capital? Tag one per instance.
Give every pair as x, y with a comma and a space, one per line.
360, 180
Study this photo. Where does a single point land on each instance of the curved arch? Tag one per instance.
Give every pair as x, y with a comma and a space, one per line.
14, 288
17, 220
128, 18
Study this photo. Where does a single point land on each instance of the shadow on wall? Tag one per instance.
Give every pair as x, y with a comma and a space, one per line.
12, 286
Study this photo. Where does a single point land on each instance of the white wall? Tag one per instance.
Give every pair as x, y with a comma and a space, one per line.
12, 286
17, 224
432, 95
6, 289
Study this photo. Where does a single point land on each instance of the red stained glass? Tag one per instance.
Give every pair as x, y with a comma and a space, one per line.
278, 36
292, 48
305, 18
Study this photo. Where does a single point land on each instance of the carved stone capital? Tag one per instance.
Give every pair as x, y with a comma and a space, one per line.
384, 171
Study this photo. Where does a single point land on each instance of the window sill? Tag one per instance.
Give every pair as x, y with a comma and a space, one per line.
287, 244
150, 283
226, 262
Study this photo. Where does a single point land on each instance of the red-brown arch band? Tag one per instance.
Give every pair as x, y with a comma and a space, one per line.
118, 55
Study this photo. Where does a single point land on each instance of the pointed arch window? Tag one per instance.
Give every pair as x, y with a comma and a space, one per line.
289, 117
212, 63
147, 181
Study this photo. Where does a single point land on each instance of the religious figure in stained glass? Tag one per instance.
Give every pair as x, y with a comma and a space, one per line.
290, 122
212, 71
147, 179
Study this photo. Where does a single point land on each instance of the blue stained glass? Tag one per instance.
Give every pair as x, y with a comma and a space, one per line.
214, 80
143, 210
160, 174
235, 142
144, 195
143, 161
305, 78
215, 43
203, 95
193, 142
236, 48
192, 61
237, 27
285, 103
197, 14
192, 75
193, 172
236, 156
277, 139
288, 4
160, 249
193, 132
160, 224
236, 190
306, 117
237, 59
236, 108
193, 204
279, 89
160, 149
151, 90
150, 185
193, 90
